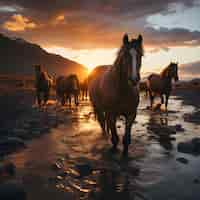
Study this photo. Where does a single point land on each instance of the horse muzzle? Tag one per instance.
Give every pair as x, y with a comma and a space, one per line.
134, 82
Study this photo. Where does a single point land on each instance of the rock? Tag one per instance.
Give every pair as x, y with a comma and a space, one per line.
84, 169
191, 147
161, 130
196, 181
182, 160
12, 191
196, 144
22, 134
184, 147
11, 143
7, 169
179, 128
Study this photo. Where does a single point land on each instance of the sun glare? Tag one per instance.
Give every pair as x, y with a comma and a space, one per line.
152, 62
89, 58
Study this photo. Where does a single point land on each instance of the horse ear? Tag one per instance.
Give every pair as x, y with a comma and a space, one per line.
125, 39
140, 38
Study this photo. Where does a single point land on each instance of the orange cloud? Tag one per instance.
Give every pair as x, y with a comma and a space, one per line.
18, 23
58, 20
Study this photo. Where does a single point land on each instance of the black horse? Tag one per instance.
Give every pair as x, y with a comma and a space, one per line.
43, 83
84, 89
66, 87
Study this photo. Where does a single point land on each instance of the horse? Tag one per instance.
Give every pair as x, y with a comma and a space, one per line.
67, 86
84, 89
114, 90
161, 84
43, 83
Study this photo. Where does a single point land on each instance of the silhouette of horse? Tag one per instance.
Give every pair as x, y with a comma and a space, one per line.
84, 89
43, 83
114, 90
161, 84
66, 87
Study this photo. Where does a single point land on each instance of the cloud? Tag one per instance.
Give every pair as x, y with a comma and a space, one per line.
96, 24
18, 23
191, 69
165, 38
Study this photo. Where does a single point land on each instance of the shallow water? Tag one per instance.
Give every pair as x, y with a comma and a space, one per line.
74, 160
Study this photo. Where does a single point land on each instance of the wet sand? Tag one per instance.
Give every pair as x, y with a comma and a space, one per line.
74, 161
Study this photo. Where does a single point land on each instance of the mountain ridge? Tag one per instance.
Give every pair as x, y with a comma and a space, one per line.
17, 56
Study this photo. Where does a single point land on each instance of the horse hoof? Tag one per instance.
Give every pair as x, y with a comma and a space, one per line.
114, 149
125, 151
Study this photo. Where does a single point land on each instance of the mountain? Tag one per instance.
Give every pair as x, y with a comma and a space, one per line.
18, 56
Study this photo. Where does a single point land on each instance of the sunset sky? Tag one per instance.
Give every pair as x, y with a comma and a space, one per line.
90, 31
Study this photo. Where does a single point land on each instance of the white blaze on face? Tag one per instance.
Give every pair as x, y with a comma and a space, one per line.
133, 53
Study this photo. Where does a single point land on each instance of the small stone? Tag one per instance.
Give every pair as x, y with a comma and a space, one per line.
179, 128
7, 169
196, 181
12, 191
84, 169
11, 143
191, 147
182, 160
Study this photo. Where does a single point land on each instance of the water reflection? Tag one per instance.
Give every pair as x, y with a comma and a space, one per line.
86, 168
159, 130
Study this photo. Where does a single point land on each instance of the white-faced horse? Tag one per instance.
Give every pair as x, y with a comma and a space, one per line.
114, 91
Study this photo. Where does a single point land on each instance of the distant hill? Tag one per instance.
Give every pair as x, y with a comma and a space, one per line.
18, 56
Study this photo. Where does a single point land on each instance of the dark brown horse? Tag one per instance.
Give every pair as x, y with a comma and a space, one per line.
43, 83
114, 90
84, 89
66, 87
161, 84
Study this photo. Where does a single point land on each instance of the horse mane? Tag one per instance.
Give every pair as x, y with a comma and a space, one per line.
164, 72
119, 55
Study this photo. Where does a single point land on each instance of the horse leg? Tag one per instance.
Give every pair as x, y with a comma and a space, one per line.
69, 99
38, 98
101, 119
108, 122
76, 99
63, 99
162, 99
127, 136
86, 93
166, 101
151, 99
112, 127
83, 93
46, 96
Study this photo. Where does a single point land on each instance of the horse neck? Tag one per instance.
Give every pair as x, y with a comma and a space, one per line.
37, 75
166, 79
118, 74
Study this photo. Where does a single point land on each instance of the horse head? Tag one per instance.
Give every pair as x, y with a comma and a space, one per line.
37, 68
173, 71
129, 59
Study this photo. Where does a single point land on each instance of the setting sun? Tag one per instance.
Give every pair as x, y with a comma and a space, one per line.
152, 62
